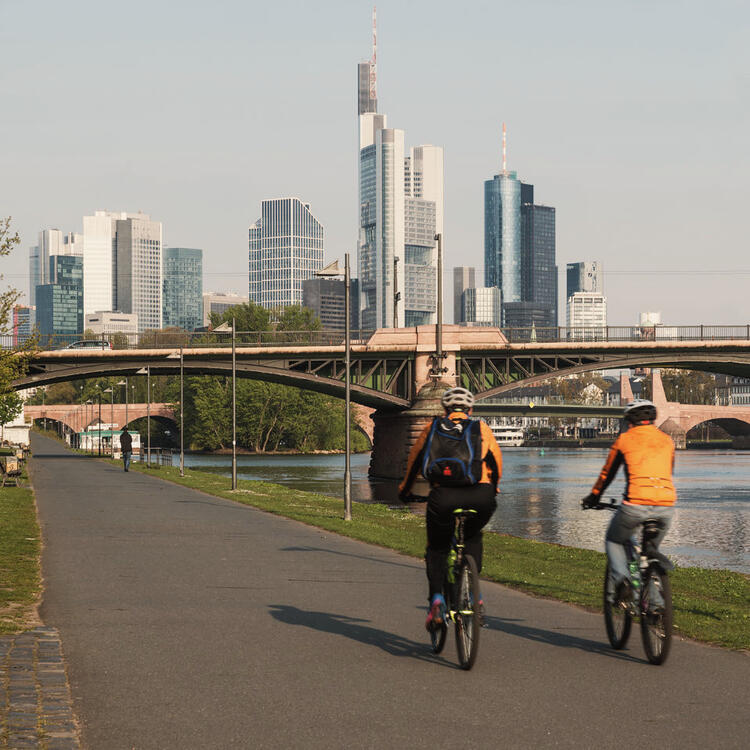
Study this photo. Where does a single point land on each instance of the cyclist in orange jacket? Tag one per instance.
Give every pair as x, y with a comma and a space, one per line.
647, 455
443, 500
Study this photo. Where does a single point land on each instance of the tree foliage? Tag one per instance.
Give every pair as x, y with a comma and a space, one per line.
685, 386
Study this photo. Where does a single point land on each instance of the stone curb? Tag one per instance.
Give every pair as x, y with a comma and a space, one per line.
36, 709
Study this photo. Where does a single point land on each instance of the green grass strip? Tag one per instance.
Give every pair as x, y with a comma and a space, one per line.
709, 605
20, 579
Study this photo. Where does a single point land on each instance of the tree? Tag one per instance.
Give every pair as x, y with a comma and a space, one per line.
13, 362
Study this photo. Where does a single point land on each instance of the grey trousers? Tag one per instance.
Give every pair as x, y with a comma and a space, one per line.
624, 526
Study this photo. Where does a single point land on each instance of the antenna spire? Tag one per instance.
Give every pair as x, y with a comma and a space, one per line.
373, 66
505, 160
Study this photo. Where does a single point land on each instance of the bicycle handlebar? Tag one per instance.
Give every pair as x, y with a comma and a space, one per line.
601, 506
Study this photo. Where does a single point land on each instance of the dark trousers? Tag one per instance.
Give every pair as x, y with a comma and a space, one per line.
441, 503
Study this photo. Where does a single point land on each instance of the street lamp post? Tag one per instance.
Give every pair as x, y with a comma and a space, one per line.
333, 269
99, 395
182, 409
147, 372
111, 392
225, 328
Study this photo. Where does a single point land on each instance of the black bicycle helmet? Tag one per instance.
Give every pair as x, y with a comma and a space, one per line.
457, 398
640, 410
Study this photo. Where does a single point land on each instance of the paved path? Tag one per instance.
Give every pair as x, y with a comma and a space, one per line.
192, 622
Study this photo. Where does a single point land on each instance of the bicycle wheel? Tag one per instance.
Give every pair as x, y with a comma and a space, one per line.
617, 619
656, 627
467, 617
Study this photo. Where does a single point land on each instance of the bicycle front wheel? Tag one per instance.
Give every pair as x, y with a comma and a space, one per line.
467, 616
617, 619
656, 621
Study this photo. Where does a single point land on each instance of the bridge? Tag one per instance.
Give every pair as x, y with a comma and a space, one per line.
79, 417
393, 370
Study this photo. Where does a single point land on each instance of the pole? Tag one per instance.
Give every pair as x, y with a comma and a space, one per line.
347, 392
182, 418
439, 324
111, 423
234, 409
126, 402
148, 416
100, 424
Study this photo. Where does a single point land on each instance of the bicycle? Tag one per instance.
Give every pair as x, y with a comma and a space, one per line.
461, 593
649, 581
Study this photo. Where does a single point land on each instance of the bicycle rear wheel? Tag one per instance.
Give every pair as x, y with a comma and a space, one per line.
656, 627
617, 620
466, 603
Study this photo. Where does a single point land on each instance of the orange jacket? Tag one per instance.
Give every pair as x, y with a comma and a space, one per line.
648, 456
492, 459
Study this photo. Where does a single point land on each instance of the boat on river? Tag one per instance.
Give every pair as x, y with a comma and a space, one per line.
507, 435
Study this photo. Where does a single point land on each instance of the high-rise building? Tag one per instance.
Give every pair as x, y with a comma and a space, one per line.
464, 277
586, 276
59, 309
183, 288
137, 274
482, 306
519, 251
586, 316
35, 273
326, 298
106, 321
219, 303
24, 319
285, 248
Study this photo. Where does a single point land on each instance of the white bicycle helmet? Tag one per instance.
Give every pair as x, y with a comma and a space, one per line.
457, 398
640, 410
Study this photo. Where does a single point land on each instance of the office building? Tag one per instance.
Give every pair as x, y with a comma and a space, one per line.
326, 298
464, 277
24, 319
98, 244
587, 316
59, 309
183, 288
482, 306
107, 322
35, 273
400, 212
137, 274
285, 249
519, 244
586, 276
217, 303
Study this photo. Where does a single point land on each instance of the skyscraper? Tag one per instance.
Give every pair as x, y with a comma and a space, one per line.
326, 298
60, 301
24, 319
98, 248
401, 210
586, 276
285, 248
464, 277
482, 306
137, 278
519, 250
183, 288
35, 273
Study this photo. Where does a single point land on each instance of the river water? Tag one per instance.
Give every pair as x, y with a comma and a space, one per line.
541, 490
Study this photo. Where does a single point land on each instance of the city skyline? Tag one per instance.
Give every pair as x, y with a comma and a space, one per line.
618, 159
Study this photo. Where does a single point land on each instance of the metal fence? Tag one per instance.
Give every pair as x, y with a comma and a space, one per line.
525, 335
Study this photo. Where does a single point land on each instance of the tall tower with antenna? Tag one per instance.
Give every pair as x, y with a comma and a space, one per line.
367, 75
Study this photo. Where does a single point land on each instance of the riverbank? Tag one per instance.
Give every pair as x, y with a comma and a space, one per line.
710, 605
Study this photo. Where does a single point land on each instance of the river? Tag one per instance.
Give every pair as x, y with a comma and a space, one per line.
540, 494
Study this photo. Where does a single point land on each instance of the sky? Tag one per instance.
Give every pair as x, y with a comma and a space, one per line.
631, 118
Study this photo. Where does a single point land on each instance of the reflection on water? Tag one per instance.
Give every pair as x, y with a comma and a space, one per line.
540, 496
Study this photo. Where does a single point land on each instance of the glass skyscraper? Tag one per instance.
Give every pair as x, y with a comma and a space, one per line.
482, 306
183, 288
59, 304
285, 249
519, 252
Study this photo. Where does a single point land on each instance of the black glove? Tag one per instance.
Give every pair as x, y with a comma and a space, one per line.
590, 501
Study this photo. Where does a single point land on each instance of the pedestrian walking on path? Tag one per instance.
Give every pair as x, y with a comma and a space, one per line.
126, 446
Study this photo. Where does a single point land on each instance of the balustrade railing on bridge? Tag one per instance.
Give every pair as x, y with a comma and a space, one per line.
561, 334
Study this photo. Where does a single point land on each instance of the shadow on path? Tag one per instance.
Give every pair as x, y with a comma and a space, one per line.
553, 638
369, 558
356, 629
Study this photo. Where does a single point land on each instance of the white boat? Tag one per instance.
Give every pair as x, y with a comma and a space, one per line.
507, 435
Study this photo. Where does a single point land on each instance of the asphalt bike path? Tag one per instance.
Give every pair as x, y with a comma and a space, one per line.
189, 621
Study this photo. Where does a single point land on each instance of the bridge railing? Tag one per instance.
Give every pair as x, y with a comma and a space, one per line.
165, 339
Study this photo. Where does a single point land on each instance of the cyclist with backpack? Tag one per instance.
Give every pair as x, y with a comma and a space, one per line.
461, 460
647, 455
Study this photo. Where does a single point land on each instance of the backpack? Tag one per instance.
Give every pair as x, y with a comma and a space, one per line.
453, 453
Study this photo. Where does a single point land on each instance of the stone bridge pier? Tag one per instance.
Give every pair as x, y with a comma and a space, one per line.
395, 431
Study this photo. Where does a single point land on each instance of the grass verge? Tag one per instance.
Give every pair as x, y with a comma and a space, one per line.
20, 578
709, 605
